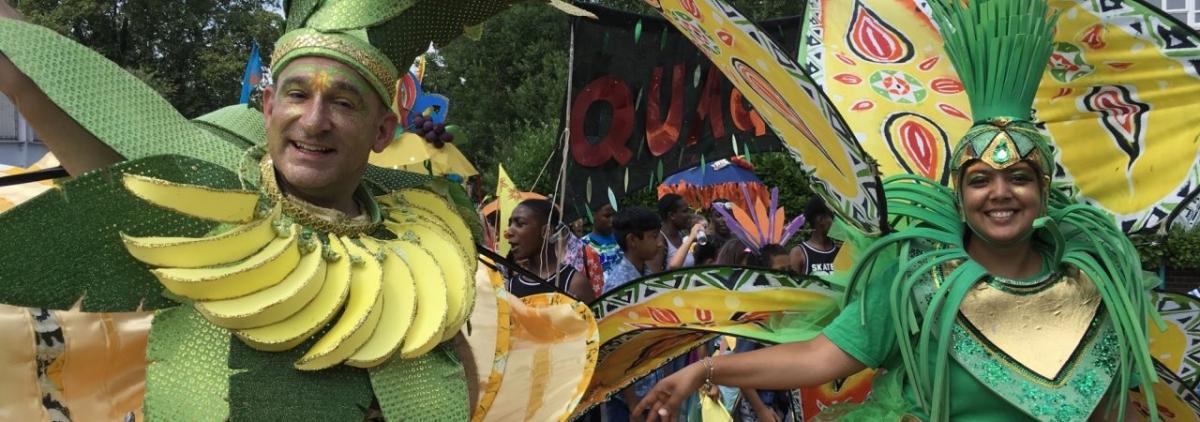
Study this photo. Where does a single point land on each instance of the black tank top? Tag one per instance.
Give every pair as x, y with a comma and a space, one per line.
819, 262
520, 286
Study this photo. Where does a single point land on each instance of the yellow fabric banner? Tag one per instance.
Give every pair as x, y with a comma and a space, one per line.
508, 197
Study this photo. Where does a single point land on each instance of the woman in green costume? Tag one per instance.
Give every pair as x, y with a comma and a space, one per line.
996, 301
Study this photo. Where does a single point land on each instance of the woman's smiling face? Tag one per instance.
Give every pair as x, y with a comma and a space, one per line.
1001, 205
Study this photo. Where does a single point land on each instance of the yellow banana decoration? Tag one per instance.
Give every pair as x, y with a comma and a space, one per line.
275, 289
426, 329
226, 206
185, 252
273, 304
297, 328
399, 309
435, 205
263, 269
453, 265
358, 320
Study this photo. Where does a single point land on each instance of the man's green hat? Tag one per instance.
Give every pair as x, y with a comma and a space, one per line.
377, 38
1000, 49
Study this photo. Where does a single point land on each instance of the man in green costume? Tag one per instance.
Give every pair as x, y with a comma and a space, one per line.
998, 300
336, 69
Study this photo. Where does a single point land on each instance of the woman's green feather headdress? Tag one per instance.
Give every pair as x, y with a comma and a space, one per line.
1000, 49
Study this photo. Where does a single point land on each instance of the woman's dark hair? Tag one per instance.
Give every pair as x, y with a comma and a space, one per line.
733, 252
543, 210
667, 204
816, 208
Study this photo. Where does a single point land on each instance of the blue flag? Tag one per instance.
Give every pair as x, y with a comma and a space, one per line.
252, 75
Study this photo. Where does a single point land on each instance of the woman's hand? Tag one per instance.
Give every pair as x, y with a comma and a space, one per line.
696, 230
663, 401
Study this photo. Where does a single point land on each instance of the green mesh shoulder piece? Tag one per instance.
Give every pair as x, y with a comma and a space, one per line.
383, 180
930, 234
428, 388
265, 386
240, 121
68, 244
112, 104
187, 375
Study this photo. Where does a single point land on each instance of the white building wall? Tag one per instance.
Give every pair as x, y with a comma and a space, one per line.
1187, 11
18, 144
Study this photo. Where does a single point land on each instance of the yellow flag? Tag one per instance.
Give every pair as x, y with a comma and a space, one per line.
508, 196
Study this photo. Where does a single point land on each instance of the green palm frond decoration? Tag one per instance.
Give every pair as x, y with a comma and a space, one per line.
1000, 49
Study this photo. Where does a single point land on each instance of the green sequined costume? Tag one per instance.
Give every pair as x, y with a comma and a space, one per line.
68, 244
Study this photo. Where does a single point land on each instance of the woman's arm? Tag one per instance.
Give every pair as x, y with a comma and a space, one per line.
781, 367
580, 288
75, 147
685, 247
799, 260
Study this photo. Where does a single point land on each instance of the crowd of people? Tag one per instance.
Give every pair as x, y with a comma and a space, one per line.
637, 242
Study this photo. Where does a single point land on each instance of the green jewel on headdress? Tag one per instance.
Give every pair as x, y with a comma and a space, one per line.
1000, 49
377, 38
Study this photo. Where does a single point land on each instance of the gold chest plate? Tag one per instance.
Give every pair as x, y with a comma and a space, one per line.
1038, 326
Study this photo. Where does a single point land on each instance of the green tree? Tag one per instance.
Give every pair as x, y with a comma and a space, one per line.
192, 52
512, 79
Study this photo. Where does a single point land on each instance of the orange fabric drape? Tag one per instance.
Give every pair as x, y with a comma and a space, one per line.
700, 197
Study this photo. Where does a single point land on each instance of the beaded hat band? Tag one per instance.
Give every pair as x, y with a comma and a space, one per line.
346, 48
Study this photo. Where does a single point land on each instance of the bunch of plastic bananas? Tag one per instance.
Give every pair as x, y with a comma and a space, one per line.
277, 285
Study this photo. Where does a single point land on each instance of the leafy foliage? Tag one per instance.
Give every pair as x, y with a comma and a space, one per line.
1179, 249
512, 79
192, 52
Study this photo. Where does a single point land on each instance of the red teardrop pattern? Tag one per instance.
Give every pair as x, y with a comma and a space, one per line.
847, 78
929, 63
1094, 37
874, 40
920, 145
953, 111
946, 85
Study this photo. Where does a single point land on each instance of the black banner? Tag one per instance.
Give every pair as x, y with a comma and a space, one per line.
645, 103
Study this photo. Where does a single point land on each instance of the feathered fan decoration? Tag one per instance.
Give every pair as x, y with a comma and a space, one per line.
763, 225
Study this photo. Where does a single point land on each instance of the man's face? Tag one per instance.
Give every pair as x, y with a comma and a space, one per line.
823, 223
603, 220
323, 120
643, 246
717, 223
681, 217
